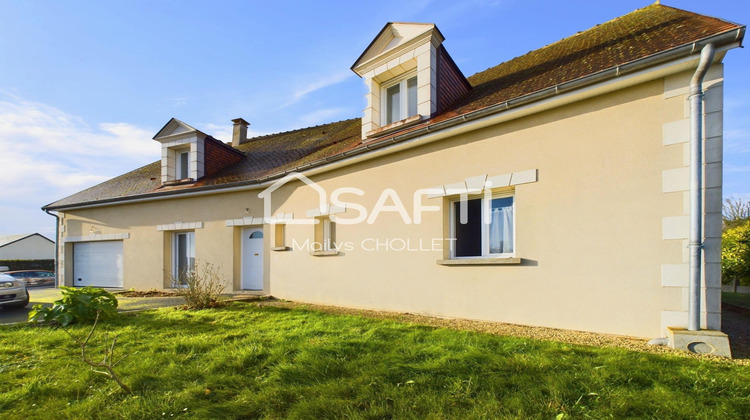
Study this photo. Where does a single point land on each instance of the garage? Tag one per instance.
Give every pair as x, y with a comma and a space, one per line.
97, 264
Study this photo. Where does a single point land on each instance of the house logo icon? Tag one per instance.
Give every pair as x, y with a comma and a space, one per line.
268, 207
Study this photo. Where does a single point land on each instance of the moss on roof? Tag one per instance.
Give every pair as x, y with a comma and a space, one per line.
142, 180
266, 155
644, 32
638, 34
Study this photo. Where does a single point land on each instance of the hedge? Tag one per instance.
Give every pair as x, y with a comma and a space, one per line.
14, 265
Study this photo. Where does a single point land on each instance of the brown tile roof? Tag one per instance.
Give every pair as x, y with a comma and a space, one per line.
636, 35
644, 32
266, 155
278, 153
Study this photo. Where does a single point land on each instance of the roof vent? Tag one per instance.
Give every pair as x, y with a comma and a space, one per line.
239, 132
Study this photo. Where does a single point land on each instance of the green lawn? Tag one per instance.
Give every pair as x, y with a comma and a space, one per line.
249, 361
739, 299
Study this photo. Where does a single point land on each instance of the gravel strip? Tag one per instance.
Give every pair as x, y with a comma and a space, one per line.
499, 328
145, 293
127, 304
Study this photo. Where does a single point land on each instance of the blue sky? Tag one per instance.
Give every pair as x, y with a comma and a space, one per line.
84, 86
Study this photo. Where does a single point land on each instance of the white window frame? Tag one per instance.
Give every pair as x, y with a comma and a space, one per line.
190, 235
178, 168
404, 101
486, 205
327, 232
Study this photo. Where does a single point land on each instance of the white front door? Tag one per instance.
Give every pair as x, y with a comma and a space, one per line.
252, 258
97, 264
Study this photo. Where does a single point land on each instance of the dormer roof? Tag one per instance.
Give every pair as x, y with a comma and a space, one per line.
174, 128
394, 38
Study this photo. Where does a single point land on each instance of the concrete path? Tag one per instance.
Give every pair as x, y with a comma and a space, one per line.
47, 295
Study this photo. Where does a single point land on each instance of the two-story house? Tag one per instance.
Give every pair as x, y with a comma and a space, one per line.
560, 188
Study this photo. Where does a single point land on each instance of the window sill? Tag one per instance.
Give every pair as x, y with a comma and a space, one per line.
323, 253
281, 248
178, 182
390, 128
480, 261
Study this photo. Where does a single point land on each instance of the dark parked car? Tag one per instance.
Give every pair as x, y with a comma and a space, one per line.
34, 277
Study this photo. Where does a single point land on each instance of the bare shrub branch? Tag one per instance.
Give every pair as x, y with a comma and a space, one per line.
201, 287
108, 358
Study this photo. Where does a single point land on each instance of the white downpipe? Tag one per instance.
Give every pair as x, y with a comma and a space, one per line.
57, 247
695, 243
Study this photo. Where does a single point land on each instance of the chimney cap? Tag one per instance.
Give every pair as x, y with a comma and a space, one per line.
238, 121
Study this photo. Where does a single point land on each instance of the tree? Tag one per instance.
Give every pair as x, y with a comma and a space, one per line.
735, 211
735, 254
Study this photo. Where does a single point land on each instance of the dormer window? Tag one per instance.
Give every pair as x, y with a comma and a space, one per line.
187, 155
183, 151
409, 77
182, 169
399, 100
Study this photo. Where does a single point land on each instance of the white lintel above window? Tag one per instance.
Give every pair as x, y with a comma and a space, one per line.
328, 210
180, 226
478, 184
278, 218
97, 237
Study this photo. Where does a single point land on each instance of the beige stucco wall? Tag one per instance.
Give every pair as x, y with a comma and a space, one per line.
147, 250
594, 232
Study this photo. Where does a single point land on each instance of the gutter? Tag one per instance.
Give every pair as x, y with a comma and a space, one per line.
683, 51
57, 246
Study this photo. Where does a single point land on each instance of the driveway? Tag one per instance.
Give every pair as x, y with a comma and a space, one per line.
48, 294
44, 295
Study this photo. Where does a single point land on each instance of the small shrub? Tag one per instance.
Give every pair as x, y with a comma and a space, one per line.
77, 305
201, 287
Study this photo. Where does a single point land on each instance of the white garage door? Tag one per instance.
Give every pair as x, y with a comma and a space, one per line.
97, 264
